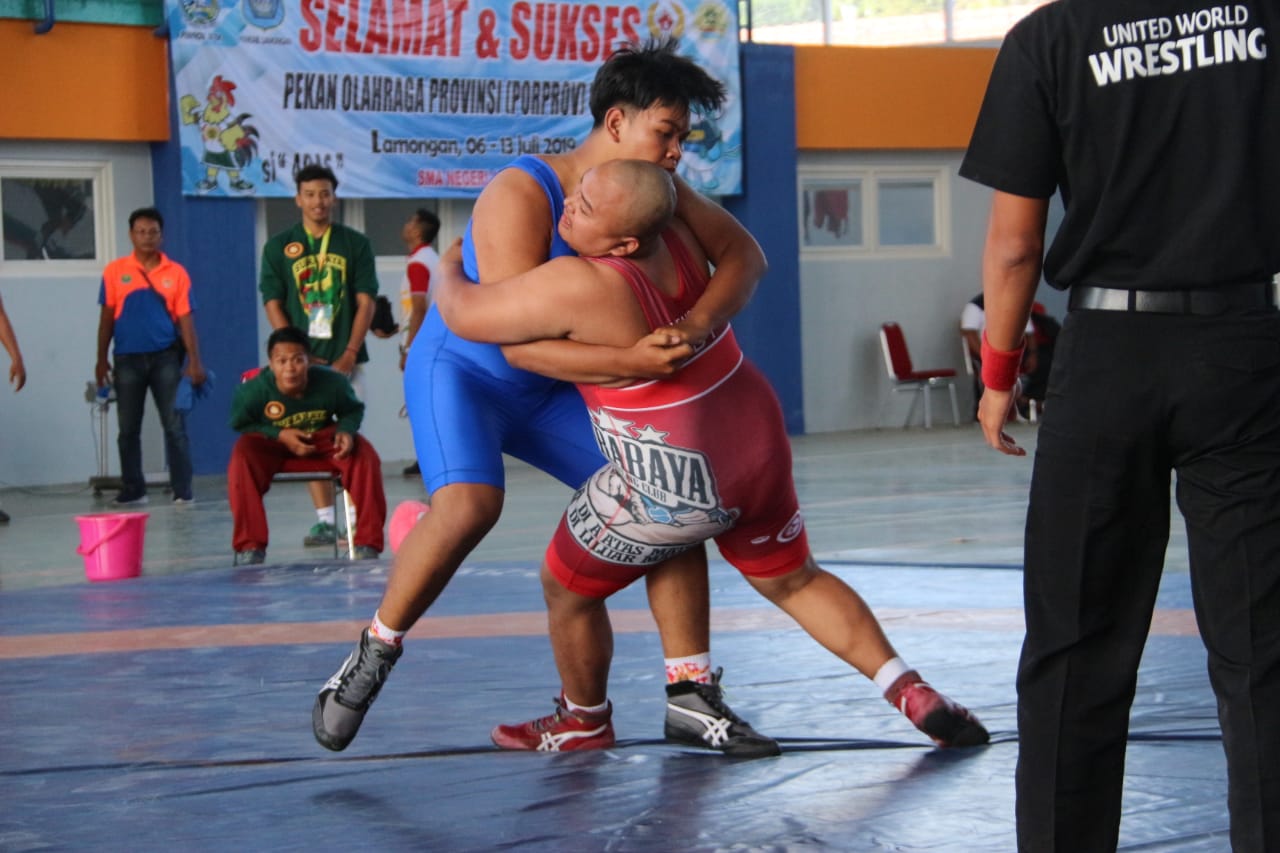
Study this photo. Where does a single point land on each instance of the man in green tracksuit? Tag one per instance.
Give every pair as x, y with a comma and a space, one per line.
293, 416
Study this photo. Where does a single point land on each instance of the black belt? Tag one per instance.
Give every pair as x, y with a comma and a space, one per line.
1207, 302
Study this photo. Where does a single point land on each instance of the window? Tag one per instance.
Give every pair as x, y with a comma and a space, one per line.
51, 215
905, 208
385, 218
832, 213
881, 22
873, 212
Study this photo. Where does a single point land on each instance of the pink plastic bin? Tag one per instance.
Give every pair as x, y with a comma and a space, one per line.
111, 544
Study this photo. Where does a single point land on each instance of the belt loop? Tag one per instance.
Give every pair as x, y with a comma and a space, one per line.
1133, 299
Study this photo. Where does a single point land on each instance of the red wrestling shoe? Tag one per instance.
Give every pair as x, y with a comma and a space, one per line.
946, 722
559, 732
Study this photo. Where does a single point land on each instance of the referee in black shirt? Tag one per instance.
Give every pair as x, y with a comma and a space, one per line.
1158, 121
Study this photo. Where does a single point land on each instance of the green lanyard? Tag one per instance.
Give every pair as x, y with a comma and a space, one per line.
321, 256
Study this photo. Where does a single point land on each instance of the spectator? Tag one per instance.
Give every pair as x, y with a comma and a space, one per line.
418, 234
319, 276
147, 308
292, 413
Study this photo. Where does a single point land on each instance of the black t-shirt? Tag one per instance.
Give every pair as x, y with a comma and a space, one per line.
1159, 121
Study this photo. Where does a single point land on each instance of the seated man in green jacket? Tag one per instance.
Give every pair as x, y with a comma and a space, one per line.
295, 417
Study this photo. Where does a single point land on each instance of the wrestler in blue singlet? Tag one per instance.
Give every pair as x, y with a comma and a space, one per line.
467, 406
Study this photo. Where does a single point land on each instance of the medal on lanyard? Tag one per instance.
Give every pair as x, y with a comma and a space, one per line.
319, 312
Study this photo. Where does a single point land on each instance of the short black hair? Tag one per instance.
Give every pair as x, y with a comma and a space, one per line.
429, 222
314, 172
644, 74
146, 213
288, 335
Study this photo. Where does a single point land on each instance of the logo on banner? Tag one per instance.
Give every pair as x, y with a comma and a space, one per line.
263, 14
201, 13
666, 19
711, 19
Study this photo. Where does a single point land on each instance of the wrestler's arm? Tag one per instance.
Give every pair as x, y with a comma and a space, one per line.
739, 265
533, 305
738, 260
520, 298
658, 354
510, 227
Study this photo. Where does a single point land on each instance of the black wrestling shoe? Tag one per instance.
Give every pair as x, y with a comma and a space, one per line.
346, 697
697, 715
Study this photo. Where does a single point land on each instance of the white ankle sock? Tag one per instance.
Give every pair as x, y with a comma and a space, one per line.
586, 709
889, 672
327, 515
695, 668
382, 632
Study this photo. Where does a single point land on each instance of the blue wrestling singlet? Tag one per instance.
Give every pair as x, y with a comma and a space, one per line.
467, 406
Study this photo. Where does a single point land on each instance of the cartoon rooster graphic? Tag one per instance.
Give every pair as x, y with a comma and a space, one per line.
230, 144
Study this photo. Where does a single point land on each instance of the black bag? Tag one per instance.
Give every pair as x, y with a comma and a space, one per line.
384, 323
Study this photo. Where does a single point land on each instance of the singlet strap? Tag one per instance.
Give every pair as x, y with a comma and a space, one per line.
659, 308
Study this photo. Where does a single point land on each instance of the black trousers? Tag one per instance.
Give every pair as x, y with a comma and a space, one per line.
1133, 398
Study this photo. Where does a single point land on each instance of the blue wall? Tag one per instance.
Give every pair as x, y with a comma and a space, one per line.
769, 329
215, 240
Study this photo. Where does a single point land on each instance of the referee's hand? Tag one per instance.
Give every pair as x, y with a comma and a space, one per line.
994, 411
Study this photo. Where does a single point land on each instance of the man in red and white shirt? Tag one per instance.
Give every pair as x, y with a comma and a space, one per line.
419, 233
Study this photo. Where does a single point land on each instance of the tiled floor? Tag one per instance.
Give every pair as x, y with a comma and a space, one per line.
172, 711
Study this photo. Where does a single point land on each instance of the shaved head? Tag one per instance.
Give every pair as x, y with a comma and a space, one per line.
645, 197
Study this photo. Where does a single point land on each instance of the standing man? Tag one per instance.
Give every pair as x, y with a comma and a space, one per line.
319, 276
469, 403
1159, 123
146, 309
418, 235
17, 371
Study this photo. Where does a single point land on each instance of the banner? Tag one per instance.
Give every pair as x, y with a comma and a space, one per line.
419, 98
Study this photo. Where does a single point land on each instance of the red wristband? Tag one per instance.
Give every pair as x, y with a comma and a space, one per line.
999, 368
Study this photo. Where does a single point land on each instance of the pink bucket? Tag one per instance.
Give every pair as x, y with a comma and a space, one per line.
111, 544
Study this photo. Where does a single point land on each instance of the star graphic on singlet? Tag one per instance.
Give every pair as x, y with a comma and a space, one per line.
650, 434
608, 423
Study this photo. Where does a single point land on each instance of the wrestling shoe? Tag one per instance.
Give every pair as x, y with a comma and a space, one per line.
321, 533
559, 732
366, 552
251, 557
946, 722
697, 715
346, 697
